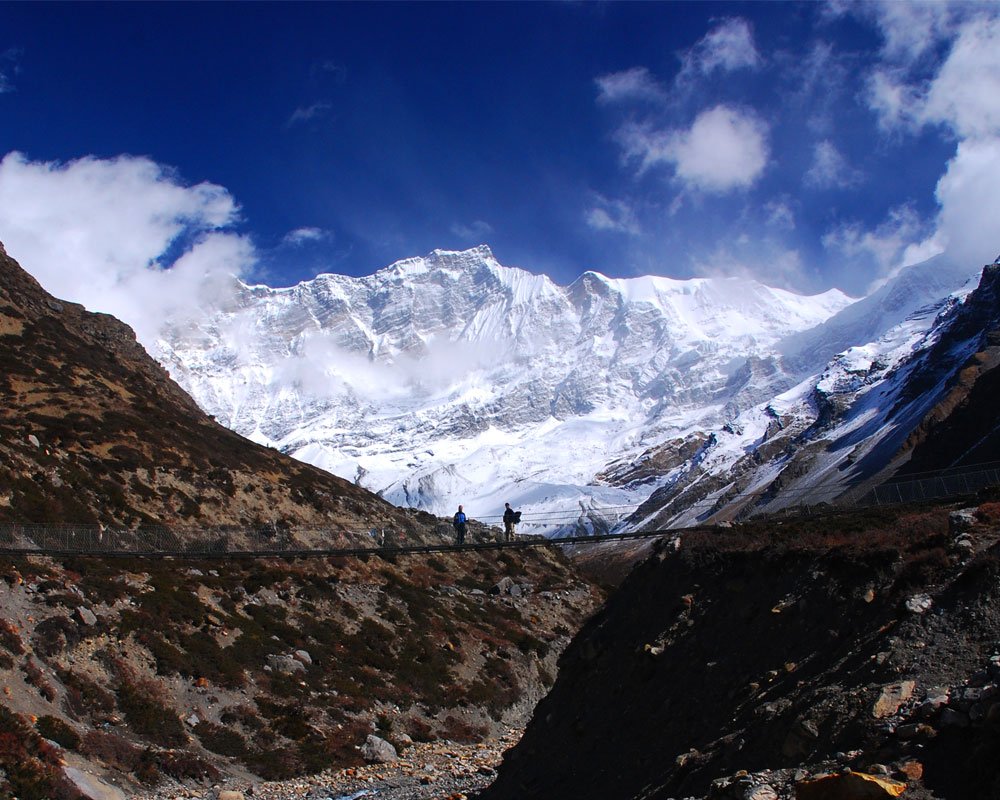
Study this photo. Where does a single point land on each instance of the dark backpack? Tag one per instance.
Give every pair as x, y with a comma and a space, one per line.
517, 517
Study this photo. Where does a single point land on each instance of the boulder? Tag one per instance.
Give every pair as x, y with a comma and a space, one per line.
932, 705
892, 697
92, 787
286, 664
503, 586
849, 786
378, 750
86, 616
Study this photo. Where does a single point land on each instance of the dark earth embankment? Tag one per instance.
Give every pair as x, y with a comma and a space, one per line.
859, 642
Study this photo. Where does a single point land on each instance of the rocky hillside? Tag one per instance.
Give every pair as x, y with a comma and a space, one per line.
800, 659
915, 400
158, 673
155, 673
92, 430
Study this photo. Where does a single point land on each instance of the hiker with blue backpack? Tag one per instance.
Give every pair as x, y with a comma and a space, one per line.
459, 523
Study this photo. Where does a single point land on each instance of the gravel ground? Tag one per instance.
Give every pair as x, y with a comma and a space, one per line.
434, 771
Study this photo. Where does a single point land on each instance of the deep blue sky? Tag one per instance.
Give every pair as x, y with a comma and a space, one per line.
801, 143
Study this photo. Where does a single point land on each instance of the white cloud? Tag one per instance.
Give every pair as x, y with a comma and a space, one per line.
964, 95
309, 112
477, 232
830, 168
966, 92
99, 231
779, 215
633, 84
885, 244
724, 149
301, 236
9, 66
895, 103
969, 221
729, 46
612, 215
911, 28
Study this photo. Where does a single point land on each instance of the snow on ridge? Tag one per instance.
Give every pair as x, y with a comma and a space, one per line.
451, 378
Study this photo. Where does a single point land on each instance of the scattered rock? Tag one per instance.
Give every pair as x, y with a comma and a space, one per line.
961, 520
762, 792
892, 697
285, 664
92, 787
378, 750
86, 616
848, 786
920, 603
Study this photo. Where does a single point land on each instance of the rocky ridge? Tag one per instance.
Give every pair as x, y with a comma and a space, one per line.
123, 674
452, 378
802, 660
93, 431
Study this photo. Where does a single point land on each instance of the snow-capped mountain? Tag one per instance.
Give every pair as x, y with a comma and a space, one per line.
452, 379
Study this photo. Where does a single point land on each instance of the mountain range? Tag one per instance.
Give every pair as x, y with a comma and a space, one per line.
600, 405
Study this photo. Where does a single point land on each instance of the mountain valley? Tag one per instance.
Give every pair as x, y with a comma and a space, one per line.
769, 656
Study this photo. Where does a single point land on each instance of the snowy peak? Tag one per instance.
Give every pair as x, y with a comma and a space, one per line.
452, 378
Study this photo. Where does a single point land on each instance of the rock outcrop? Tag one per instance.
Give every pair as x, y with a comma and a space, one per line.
754, 660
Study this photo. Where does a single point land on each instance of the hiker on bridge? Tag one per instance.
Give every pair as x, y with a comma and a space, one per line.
459, 523
510, 519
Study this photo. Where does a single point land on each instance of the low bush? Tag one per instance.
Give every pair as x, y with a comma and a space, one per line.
222, 740
58, 731
29, 767
55, 634
10, 639
148, 715
83, 696
462, 732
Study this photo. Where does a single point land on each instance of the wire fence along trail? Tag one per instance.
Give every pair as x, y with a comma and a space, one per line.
82, 540
543, 529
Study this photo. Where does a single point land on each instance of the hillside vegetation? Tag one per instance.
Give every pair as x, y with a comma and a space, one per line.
187, 670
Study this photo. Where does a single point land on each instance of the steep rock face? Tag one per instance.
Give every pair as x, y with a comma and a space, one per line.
451, 377
93, 430
855, 423
788, 653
